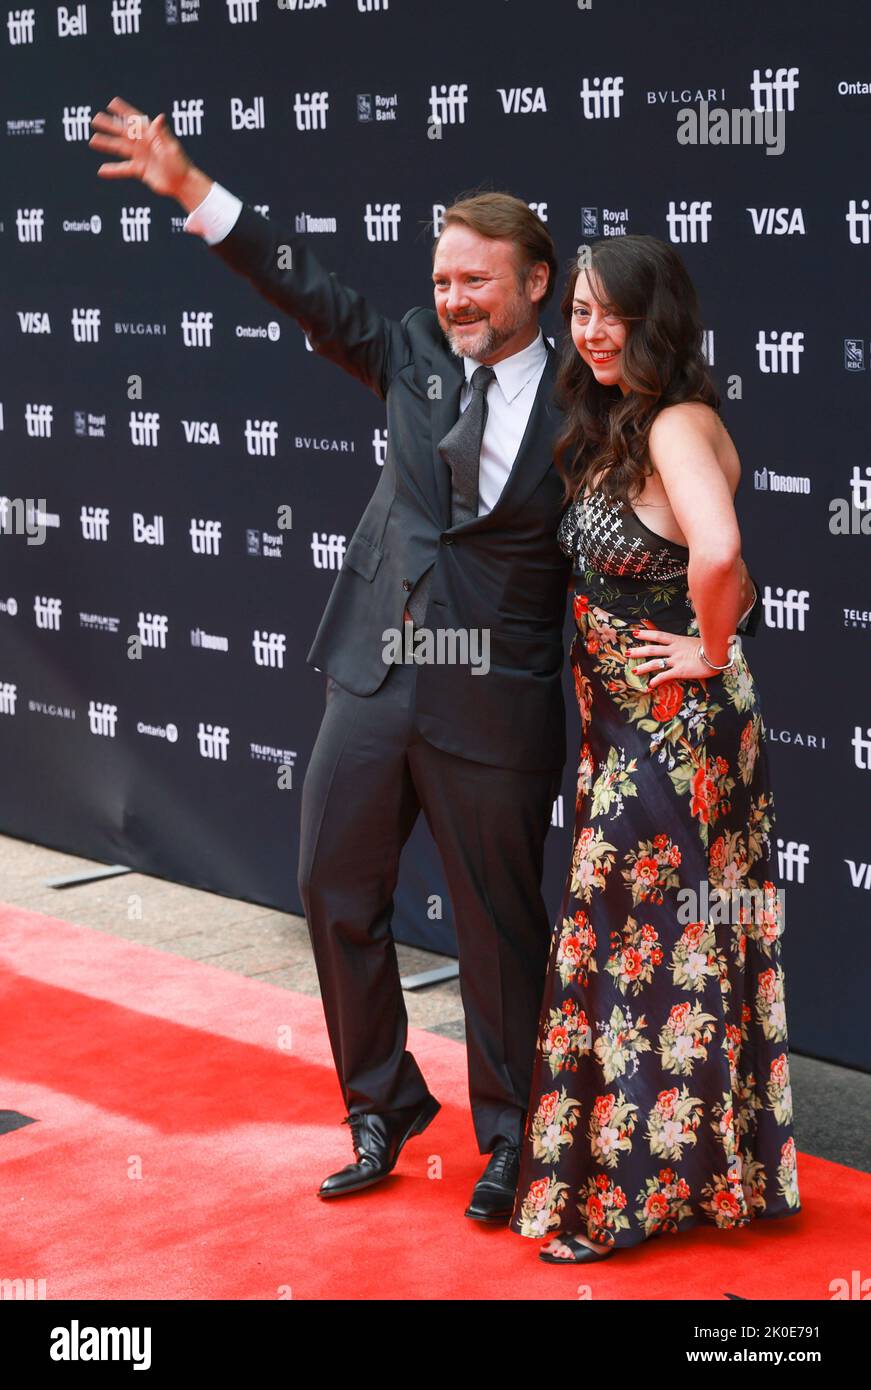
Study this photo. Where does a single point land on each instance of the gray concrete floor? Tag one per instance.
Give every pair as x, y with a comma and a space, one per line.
831, 1103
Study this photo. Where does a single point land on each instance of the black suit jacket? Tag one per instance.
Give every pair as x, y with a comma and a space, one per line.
503, 572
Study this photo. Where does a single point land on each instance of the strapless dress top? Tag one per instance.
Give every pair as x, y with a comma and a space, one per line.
609, 538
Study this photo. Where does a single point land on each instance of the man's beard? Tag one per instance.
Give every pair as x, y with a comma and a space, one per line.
487, 340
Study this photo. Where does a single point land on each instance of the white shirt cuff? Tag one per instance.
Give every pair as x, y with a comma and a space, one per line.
215, 216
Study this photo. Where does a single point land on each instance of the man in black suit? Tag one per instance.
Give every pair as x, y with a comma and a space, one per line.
458, 537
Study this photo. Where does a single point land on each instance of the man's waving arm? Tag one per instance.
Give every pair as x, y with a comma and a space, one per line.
339, 322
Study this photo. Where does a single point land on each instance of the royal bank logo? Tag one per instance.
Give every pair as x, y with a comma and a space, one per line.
854, 354
373, 108
88, 425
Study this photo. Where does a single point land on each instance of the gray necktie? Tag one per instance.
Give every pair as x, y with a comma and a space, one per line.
461, 450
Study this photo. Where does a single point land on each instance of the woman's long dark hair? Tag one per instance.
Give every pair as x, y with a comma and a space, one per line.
645, 281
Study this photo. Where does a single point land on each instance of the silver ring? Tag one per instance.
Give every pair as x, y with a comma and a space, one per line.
662, 663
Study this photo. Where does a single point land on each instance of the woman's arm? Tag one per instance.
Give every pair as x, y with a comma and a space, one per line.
683, 454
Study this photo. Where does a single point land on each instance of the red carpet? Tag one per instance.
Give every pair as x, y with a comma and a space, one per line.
221, 1092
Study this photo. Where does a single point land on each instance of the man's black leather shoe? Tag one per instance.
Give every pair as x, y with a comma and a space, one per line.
493, 1197
378, 1139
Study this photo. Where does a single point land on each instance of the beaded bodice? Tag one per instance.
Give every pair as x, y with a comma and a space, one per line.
609, 538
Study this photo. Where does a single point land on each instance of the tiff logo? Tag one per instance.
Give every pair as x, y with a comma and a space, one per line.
125, 16
76, 121
20, 25
102, 719
447, 104
601, 99
144, 428
779, 352
38, 420
243, 11
86, 325
8, 697
862, 748
688, 222
792, 859
152, 629
47, 612
382, 221
94, 522
785, 610
328, 551
859, 222
135, 223
861, 488
269, 648
310, 109
205, 537
769, 91
196, 327
379, 446
213, 741
261, 437
187, 116
29, 223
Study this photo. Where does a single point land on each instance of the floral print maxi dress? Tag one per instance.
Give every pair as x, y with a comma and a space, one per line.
660, 1094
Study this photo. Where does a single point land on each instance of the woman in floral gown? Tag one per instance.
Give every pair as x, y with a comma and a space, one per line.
660, 1096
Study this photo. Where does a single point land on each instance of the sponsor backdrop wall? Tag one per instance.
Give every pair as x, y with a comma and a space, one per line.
181, 474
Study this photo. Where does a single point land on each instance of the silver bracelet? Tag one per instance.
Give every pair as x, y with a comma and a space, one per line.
729, 664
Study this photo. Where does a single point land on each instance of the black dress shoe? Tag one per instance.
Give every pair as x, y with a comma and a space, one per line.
378, 1137
493, 1197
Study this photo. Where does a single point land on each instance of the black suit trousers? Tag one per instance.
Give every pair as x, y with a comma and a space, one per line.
370, 774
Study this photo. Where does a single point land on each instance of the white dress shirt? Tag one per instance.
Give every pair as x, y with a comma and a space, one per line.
509, 397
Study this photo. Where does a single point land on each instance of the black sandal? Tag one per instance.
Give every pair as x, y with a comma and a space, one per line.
581, 1253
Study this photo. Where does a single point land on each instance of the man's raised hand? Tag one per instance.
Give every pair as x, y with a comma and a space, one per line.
145, 150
